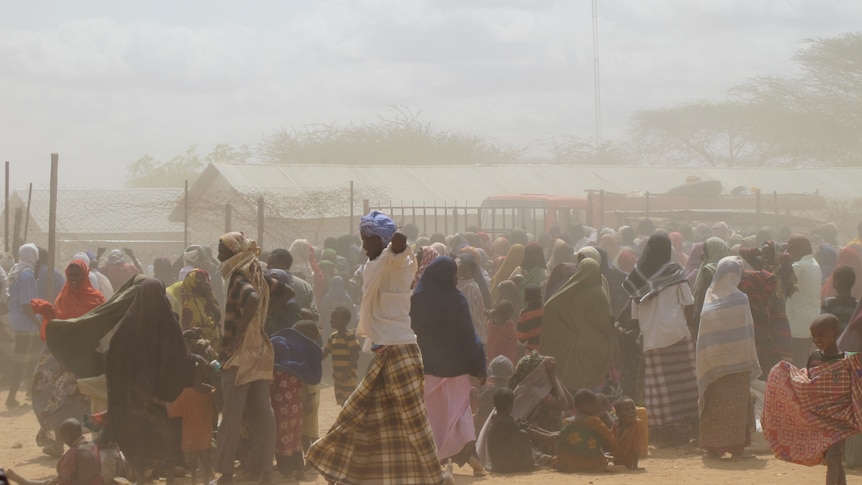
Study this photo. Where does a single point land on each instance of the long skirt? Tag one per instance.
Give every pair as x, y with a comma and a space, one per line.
448, 402
670, 386
382, 434
55, 397
287, 407
728, 414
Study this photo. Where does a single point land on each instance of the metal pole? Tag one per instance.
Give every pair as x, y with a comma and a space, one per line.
260, 222
6, 216
228, 214
52, 224
186, 216
351, 208
27, 219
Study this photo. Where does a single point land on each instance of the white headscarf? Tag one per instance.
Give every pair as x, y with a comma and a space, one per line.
28, 258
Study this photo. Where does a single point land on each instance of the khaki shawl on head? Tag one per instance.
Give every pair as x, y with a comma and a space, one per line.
577, 331
254, 357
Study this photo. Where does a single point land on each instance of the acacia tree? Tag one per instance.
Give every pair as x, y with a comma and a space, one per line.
814, 118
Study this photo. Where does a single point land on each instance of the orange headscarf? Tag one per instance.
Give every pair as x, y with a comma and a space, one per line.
71, 302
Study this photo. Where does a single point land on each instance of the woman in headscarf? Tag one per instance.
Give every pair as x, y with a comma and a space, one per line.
827, 257
336, 295
578, 333
55, 389
480, 276
676, 241
726, 362
499, 250
695, 259
468, 285
194, 303
532, 268
846, 257
540, 399
614, 278
300, 250
451, 353
147, 362
609, 244
767, 281
297, 362
163, 271
713, 251
424, 257
626, 261
662, 303
22, 288
440, 248
513, 260
560, 253
117, 269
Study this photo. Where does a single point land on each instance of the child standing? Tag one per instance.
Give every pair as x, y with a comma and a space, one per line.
530, 320
344, 348
499, 371
843, 304
629, 434
195, 407
80, 465
502, 339
825, 330
584, 441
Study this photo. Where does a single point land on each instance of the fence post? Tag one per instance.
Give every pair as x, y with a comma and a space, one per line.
455, 221
260, 222
29, 205
186, 216
228, 214
52, 225
6, 215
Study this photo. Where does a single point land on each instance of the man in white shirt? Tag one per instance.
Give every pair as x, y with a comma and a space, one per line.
803, 306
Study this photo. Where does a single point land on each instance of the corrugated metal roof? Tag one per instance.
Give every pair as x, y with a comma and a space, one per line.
471, 184
103, 211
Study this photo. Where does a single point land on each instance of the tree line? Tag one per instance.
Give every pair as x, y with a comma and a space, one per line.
813, 118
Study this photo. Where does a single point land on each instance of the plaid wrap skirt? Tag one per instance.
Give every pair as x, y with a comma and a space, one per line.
382, 434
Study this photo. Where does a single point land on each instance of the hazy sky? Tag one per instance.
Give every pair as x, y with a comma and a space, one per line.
105, 82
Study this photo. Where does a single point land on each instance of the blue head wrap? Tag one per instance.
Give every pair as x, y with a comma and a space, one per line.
377, 223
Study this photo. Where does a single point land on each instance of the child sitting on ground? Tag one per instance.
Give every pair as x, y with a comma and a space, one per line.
843, 304
584, 441
502, 339
509, 446
195, 407
629, 434
80, 465
344, 348
530, 320
825, 330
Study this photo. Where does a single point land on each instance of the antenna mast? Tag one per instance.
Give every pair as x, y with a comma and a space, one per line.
597, 90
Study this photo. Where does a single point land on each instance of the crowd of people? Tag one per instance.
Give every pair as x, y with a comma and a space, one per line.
571, 350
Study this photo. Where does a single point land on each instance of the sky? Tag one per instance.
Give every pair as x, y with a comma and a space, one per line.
103, 83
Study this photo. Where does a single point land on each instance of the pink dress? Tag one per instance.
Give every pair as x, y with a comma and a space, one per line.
502, 340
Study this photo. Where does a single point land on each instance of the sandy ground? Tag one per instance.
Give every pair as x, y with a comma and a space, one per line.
18, 450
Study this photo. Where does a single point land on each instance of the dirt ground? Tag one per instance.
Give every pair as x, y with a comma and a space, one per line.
18, 451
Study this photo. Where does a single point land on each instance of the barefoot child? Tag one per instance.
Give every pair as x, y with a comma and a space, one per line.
80, 465
508, 440
344, 348
825, 331
584, 441
195, 407
629, 434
